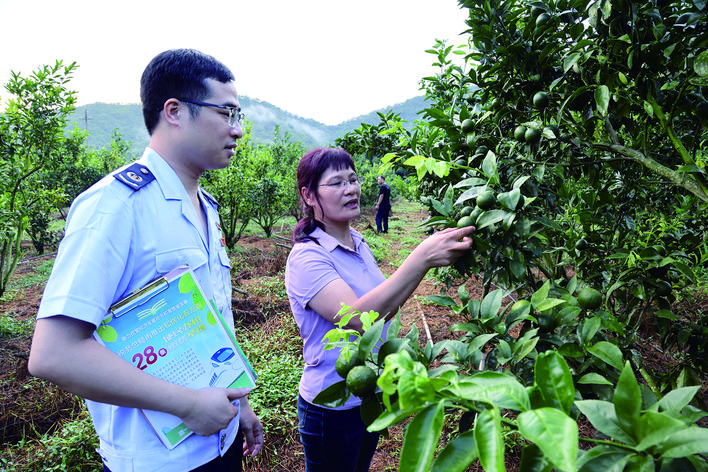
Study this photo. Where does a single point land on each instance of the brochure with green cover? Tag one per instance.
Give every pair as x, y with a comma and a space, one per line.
170, 330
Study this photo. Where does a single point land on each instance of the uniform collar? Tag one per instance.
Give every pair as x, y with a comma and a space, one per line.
330, 243
169, 181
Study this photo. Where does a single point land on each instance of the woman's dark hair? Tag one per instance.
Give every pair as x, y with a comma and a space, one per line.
309, 172
178, 73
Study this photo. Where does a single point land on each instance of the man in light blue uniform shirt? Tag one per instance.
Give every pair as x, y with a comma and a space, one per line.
131, 227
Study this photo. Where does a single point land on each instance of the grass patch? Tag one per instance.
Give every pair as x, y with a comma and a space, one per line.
274, 348
38, 276
71, 447
11, 327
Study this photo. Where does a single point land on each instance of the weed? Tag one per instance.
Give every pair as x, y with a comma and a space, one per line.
71, 448
38, 276
11, 327
269, 288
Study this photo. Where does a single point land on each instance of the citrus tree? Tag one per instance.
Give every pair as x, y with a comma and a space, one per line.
258, 184
31, 142
569, 133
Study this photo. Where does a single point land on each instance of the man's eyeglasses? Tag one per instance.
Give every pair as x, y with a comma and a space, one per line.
341, 184
235, 113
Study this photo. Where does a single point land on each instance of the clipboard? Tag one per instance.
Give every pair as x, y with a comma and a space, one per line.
169, 329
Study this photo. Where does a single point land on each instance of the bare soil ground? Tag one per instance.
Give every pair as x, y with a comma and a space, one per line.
30, 407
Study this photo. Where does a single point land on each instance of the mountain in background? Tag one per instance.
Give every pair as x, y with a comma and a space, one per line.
102, 118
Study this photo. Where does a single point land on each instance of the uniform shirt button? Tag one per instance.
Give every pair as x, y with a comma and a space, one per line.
223, 441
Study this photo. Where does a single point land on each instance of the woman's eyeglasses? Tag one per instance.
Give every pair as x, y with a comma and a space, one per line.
341, 184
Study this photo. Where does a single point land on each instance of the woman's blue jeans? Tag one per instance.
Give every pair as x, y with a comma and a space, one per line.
334, 440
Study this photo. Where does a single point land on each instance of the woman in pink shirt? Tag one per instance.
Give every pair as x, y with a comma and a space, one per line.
331, 264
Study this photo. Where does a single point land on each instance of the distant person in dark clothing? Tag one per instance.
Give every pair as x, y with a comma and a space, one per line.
383, 206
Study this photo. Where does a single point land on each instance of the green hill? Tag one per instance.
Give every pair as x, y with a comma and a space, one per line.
102, 118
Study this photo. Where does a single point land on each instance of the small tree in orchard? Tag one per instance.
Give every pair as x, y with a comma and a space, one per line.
31, 141
286, 155
258, 184
275, 191
232, 188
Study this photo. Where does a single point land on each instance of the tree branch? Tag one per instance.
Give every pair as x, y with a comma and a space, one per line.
676, 178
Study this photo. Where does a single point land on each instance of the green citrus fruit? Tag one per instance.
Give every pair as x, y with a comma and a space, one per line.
702, 110
663, 288
535, 11
540, 100
532, 135
589, 298
469, 140
465, 221
519, 133
582, 244
542, 19
467, 126
466, 210
486, 200
361, 381
546, 322
476, 213
347, 360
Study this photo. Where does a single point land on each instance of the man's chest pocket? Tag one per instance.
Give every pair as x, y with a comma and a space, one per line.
170, 259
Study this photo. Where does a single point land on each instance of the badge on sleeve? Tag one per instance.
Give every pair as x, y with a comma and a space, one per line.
135, 176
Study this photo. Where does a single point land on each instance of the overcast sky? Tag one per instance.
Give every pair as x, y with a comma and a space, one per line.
328, 60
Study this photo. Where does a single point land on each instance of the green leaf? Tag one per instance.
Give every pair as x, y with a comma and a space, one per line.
570, 60
459, 454
421, 439
554, 381
489, 168
333, 396
700, 64
394, 327
648, 108
637, 463
603, 417
494, 388
439, 207
603, 459
370, 409
602, 99
369, 339
693, 440
609, 353
654, 428
442, 300
490, 443
555, 433
533, 460
509, 199
490, 217
447, 200
540, 294
548, 304
677, 399
627, 400
491, 304
594, 379
588, 328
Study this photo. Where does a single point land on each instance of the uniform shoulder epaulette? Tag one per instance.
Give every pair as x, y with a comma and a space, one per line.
209, 197
135, 176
